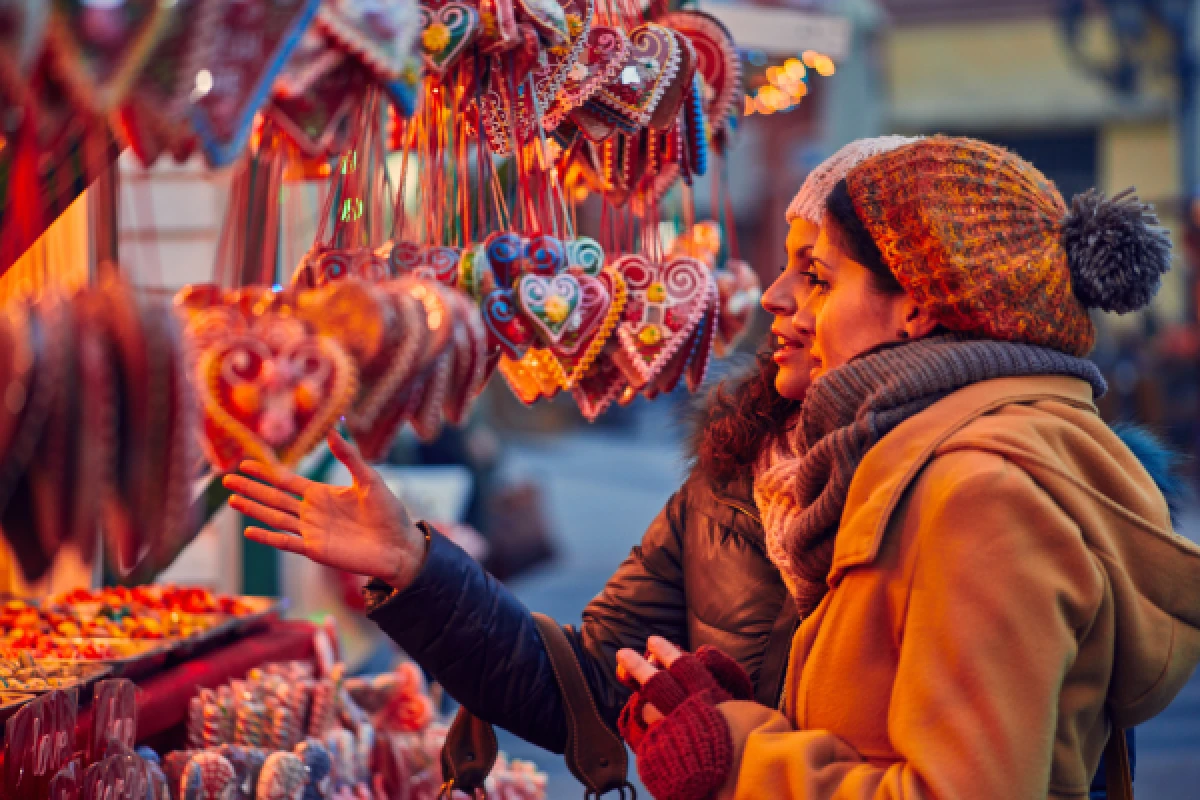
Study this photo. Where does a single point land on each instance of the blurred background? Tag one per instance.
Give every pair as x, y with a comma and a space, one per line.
1102, 93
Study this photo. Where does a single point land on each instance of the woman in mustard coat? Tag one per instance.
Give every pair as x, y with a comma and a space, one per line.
988, 578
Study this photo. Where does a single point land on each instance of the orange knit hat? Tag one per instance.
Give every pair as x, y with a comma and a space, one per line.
981, 240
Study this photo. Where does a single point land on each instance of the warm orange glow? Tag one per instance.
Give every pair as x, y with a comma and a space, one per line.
810, 58
794, 69
774, 75
825, 67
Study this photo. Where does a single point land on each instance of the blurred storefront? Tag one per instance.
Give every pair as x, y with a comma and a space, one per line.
1006, 71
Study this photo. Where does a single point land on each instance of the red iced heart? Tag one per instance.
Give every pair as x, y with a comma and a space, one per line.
601, 59
646, 73
666, 301
717, 61
600, 385
506, 330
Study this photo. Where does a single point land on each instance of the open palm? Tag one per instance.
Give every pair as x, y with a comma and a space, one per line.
362, 528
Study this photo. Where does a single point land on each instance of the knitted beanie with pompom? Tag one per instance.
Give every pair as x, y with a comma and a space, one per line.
984, 243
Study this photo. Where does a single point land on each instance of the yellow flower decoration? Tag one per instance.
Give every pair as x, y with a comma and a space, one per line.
650, 335
574, 25
435, 38
556, 309
656, 293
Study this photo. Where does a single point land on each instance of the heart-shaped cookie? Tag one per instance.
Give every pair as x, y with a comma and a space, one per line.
549, 18
470, 347
676, 91
646, 73
592, 325
402, 257
739, 292
600, 386
545, 255
272, 405
445, 33
405, 333
498, 19
666, 301
585, 254
601, 58
531, 108
253, 42
441, 264
717, 62
549, 303
507, 331
379, 35
504, 251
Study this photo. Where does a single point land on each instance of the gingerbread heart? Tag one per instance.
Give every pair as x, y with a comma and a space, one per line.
702, 344
446, 33
549, 303
402, 257
499, 22
253, 42
585, 254
677, 90
379, 35
592, 325
507, 331
717, 62
313, 57
739, 291
440, 264
646, 73
429, 338
470, 347
272, 405
600, 386
531, 108
666, 302
101, 48
600, 60
398, 361
545, 255
549, 18
504, 251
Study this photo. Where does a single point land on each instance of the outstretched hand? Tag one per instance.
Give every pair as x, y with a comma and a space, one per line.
362, 528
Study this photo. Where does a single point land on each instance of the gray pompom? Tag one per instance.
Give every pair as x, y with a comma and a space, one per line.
1116, 250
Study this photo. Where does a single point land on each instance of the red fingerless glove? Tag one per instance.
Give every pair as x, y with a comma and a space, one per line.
708, 670
688, 754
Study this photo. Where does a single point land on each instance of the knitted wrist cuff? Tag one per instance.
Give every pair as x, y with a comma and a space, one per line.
688, 755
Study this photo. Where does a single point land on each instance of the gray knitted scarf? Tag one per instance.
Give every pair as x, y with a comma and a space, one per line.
800, 485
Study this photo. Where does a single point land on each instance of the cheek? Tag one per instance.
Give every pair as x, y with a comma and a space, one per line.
847, 325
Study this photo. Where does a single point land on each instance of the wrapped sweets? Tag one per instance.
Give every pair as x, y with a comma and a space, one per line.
208, 776
252, 727
324, 708
283, 777
247, 764
319, 765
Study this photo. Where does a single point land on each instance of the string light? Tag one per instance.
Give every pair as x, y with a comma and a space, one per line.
795, 69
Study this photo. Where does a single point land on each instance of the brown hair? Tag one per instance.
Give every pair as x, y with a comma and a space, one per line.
744, 415
850, 235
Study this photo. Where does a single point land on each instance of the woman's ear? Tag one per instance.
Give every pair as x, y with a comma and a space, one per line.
917, 322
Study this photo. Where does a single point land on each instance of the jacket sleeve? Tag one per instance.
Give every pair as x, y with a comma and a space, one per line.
644, 598
1000, 586
481, 643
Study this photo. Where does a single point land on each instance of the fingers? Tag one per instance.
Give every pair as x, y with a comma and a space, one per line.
280, 541
348, 454
650, 714
662, 650
277, 476
637, 667
267, 495
276, 519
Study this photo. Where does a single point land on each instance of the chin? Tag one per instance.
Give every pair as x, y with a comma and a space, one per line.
791, 384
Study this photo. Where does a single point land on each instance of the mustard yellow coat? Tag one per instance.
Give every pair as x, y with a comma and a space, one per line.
1005, 586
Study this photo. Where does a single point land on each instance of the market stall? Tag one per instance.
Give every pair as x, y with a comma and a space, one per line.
493, 178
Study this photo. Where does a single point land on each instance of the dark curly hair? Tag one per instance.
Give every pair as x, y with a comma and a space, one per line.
743, 415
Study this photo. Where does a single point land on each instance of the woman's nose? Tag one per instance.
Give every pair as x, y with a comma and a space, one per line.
804, 317
776, 300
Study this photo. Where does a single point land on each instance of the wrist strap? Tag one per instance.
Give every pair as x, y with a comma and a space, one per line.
595, 754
